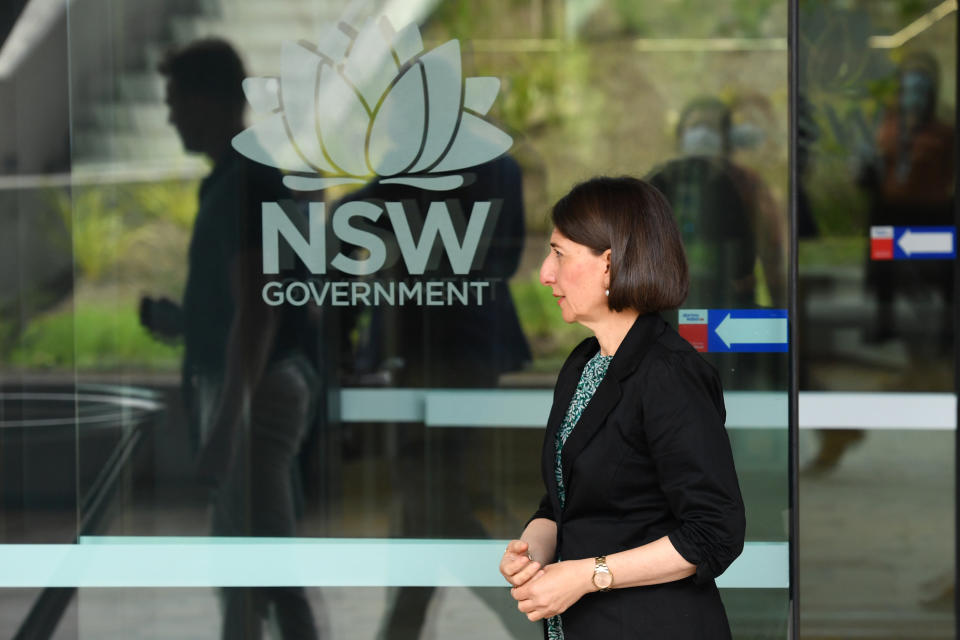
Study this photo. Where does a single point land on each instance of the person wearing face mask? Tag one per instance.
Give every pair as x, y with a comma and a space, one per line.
710, 209
726, 213
729, 222
907, 173
703, 138
909, 180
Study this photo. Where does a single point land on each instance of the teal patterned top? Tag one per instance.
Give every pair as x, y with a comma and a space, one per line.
590, 379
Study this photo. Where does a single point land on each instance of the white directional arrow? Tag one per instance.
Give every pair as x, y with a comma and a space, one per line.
926, 242
752, 330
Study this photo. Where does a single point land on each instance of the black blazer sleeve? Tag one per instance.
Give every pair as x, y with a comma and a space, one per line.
545, 510
682, 403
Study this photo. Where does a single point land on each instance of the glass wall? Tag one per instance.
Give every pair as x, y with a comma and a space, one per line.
289, 365
877, 242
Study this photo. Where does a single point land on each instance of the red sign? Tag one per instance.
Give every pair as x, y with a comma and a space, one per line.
881, 243
693, 328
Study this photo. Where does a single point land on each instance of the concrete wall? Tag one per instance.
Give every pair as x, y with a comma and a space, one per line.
34, 103
79, 60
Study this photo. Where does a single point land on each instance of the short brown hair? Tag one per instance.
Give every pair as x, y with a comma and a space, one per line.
648, 266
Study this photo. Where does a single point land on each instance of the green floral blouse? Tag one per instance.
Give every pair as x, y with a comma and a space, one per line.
590, 379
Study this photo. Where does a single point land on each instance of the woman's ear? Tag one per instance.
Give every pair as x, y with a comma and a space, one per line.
605, 256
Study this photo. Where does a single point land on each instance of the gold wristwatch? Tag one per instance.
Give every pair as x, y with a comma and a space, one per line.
602, 578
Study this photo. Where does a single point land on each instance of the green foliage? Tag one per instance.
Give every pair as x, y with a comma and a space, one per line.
103, 219
849, 251
839, 205
96, 228
751, 16
910, 10
171, 200
120, 233
460, 17
685, 19
529, 100
92, 337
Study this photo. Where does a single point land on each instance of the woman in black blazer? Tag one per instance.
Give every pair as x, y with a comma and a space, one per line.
642, 507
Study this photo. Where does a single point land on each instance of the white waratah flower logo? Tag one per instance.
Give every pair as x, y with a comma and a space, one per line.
370, 103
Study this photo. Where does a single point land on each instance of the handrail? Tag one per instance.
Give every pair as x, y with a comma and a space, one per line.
50, 605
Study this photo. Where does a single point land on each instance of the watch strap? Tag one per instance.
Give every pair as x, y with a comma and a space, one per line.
600, 567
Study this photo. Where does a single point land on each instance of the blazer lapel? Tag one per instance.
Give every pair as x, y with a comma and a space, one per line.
604, 399
566, 386
634, 347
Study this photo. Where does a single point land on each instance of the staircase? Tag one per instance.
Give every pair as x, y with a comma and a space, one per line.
119, 119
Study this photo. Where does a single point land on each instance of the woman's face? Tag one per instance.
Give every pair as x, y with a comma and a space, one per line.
578, 278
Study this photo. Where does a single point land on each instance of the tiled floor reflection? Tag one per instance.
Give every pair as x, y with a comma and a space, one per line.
876, 539
354, 614
348, 614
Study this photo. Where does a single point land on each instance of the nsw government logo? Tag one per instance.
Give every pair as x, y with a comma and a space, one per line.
370, 103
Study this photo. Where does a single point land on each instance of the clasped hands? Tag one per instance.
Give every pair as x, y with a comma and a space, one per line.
542, 591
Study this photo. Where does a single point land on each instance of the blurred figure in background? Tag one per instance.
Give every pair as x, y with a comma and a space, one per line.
907, 172
466, 346
732, 228
246, 381
455, 345
908, 175
833, 442
727, 215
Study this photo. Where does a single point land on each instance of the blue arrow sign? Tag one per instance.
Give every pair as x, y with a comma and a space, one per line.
748, 330
924, 243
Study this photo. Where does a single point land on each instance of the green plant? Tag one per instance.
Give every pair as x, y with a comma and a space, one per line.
172, 200
103, 220
96, 226
92, 337
682, 18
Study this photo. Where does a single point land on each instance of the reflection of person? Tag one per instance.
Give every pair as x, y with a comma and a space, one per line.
909, 176
727, 215
456, 345
833, 442
246, 381
808, 132
642, 497
453, 346
730, 223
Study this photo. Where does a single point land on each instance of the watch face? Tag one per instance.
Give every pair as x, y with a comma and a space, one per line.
602, 580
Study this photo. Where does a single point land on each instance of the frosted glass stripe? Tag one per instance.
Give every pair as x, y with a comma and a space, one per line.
528, 408
217, 562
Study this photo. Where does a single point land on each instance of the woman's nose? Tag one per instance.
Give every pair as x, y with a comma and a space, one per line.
547, 275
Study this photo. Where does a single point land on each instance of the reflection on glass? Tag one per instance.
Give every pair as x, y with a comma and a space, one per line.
735, 235
880, 157
726, 211
247, 385
462, 344
139, 276
908, 175
876, 187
